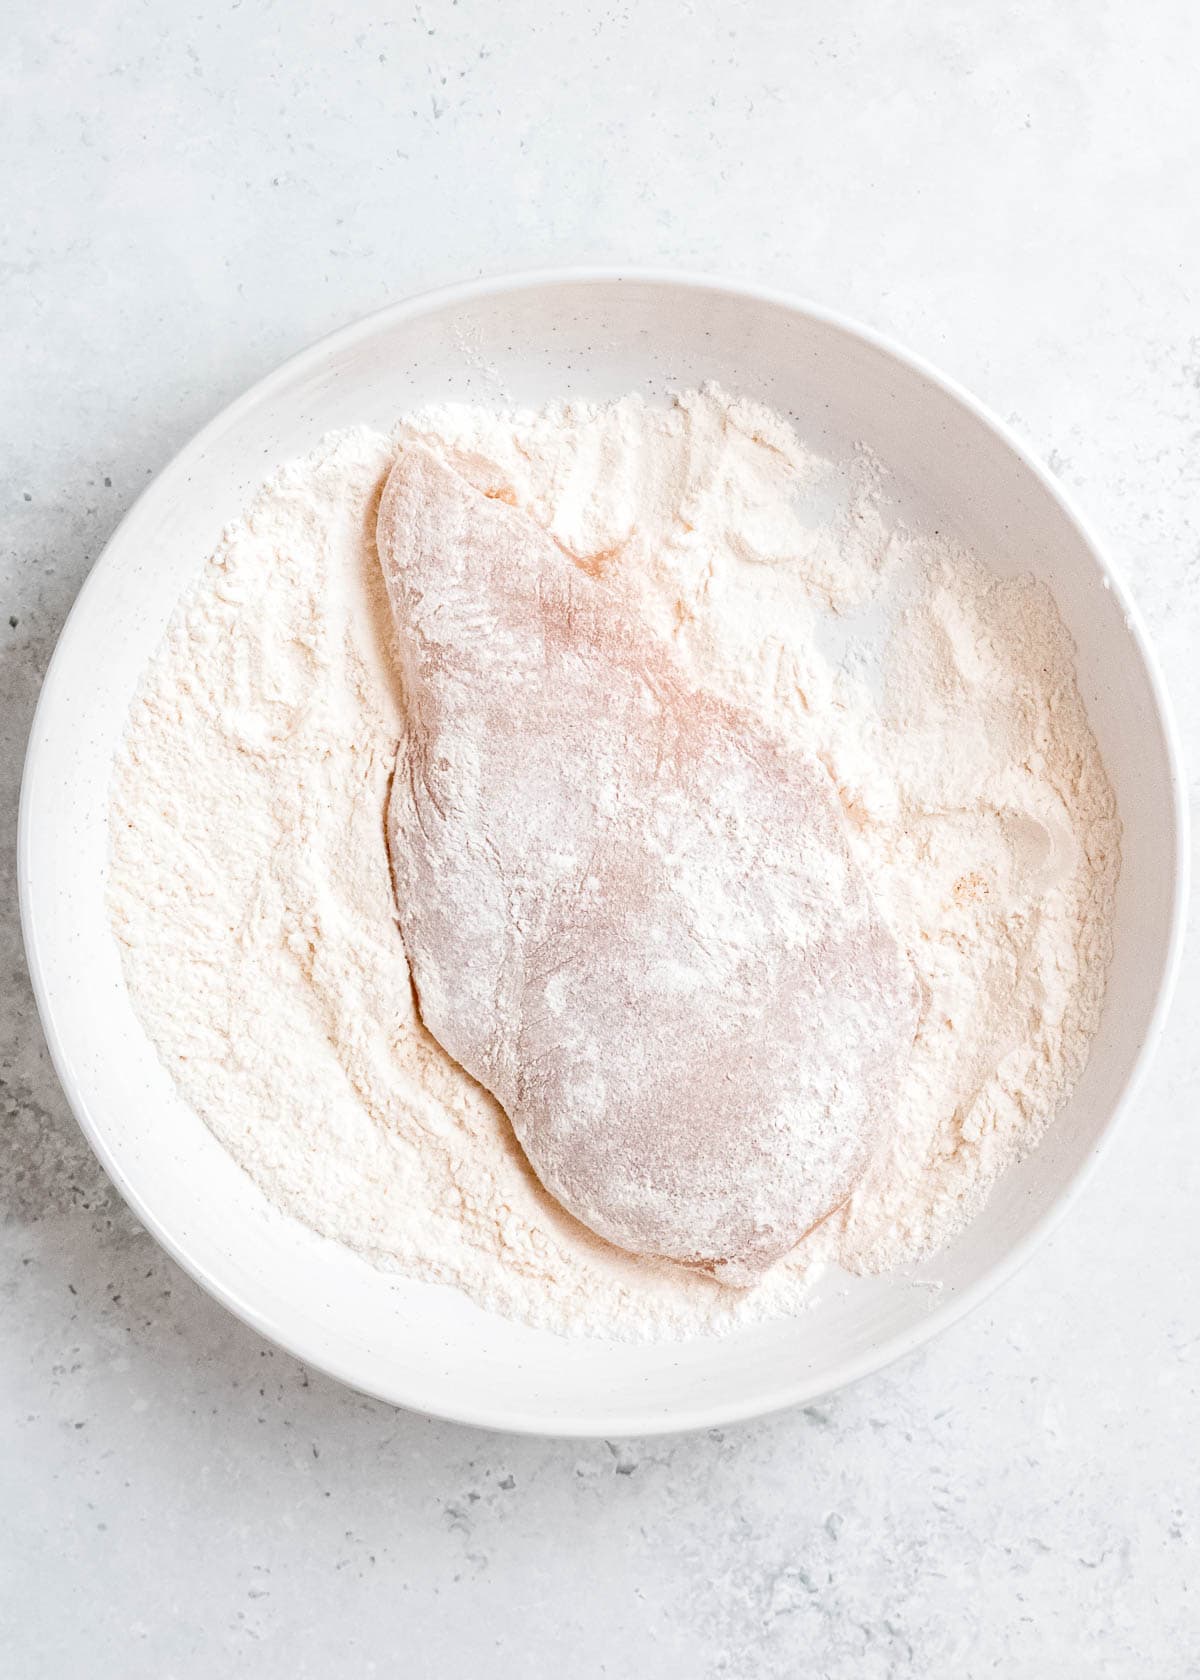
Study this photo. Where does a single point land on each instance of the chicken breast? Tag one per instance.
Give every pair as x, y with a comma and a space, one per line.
630, 912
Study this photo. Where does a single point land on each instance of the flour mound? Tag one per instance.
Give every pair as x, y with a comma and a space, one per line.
250, 887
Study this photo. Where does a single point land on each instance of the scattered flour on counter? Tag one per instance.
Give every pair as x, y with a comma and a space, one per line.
249, 881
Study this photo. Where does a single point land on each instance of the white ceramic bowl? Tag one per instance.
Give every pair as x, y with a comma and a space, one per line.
530, 339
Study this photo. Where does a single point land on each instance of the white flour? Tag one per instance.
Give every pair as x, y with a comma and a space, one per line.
250, 887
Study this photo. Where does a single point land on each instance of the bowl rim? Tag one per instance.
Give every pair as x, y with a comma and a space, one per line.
802, 1389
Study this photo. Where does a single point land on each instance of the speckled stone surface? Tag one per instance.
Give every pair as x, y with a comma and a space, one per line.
192, 194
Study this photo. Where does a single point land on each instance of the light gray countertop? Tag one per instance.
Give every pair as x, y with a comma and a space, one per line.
192, 194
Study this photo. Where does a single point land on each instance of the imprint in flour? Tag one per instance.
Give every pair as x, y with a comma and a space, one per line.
631, 913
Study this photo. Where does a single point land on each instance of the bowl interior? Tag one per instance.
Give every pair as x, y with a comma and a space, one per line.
529, 342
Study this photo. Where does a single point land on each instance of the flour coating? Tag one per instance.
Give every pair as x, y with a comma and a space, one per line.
249, 879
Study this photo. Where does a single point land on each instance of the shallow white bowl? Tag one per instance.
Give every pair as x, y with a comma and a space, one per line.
530, 339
